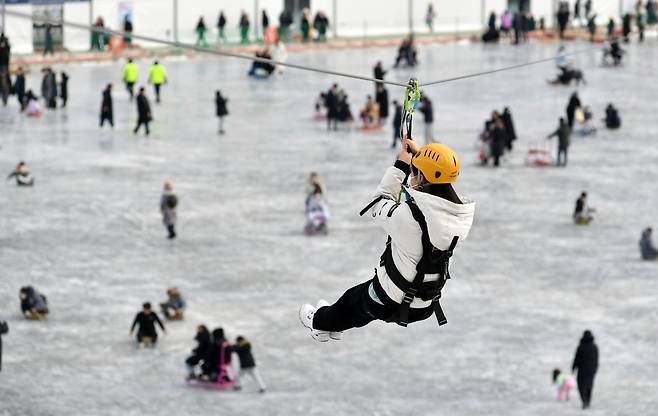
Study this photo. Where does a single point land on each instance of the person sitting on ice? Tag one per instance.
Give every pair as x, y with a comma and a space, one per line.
146, 320
561, 59
370, 112
22, 175
200, 352
423, 228
34, 108
314, 185
406, 52
585, 120
582, 214
565, 384
174, 308
613, 51
267, 67
217, 362
612, 119
317, 214
34, 305
647, 249
343, 108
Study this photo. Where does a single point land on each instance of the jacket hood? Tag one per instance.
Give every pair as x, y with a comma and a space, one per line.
445, 219
587, 338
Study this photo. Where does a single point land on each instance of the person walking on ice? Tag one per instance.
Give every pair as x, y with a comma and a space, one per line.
423, 228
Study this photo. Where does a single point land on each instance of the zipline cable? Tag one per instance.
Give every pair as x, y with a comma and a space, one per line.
507, 68
274, 62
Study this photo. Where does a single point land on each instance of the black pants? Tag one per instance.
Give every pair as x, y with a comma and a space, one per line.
157, 92
356, 309
0, 352
109, 119
562, 151
396, 136
172, 231
129, 87
139, 124
194, 359
585, 385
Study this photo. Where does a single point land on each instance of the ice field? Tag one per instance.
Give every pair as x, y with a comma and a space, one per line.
525, 284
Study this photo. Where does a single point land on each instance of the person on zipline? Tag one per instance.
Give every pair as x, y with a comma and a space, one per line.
423, 228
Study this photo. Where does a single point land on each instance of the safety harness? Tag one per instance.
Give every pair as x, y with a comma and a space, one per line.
433, 261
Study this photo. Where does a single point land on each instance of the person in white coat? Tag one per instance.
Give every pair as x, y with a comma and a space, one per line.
423, 231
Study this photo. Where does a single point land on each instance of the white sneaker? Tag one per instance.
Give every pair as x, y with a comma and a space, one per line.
336, 336
306, 313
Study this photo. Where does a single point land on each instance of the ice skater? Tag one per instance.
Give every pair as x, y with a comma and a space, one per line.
424, 229
130, 77
248, 367
647, 249
220, 109
586, 363
168, 208
146, 320
143, 112
107, 109
158, 77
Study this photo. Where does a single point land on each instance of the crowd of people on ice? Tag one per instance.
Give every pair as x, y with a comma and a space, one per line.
211, 360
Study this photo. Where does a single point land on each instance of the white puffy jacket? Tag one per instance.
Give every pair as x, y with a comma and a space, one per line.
445, 220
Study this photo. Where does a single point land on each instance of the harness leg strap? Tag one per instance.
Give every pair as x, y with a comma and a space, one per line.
438, 312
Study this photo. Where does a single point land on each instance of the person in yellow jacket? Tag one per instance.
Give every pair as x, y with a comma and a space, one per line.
157, 76
130, 76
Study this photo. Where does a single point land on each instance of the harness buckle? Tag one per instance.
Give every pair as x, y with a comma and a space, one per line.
409, 295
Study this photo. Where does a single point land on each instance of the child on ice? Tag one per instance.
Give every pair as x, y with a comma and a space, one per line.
565, 384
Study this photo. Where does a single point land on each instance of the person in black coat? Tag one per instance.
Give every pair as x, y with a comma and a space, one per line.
498, 138
146, 320
397, 122
612, 119
626, 26
586, 363
219, 348
506, 117
19, 87
242, 347
4, 329
563, 134
332, 107
220, 109
200, 352
5, 53
64, 88
574, 104
143, 112
427, 109
107, 109
379, 73
382, 101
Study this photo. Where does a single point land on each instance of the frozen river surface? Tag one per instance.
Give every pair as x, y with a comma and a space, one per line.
525, 284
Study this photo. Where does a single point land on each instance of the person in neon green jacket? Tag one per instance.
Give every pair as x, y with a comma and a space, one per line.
157, 76
130, 77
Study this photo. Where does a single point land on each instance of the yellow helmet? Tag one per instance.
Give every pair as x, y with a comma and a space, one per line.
438, 163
